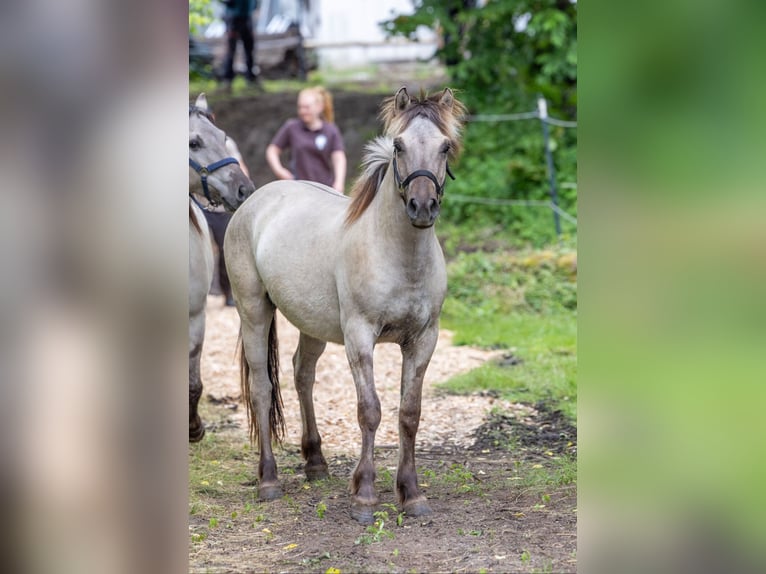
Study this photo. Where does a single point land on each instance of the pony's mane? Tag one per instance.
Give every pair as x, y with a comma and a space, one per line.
449, 121
375, 161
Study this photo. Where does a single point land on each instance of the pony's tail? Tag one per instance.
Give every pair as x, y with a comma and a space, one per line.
276, 416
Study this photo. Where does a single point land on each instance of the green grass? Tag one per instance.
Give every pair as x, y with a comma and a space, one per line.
524, 302
546, 345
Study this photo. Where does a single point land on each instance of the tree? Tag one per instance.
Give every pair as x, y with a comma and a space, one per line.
200, 14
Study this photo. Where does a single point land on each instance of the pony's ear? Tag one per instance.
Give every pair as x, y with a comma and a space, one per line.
402, 99
201, 102
447, 98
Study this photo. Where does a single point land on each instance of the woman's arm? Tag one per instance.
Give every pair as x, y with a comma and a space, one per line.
339, 169
272, 157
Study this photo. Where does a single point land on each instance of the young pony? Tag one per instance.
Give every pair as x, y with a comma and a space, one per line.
351, 272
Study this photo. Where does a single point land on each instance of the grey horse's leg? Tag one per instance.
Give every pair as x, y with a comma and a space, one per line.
304, 366
359, 350
256, 316
197, 326
415, 359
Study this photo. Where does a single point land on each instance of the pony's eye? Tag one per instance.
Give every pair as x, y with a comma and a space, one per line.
194, 145
397, 145
446, 147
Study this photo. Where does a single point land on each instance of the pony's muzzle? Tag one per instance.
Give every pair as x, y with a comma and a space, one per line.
244, 191
423, 211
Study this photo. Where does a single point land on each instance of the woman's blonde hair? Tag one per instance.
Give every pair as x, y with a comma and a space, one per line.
325, 97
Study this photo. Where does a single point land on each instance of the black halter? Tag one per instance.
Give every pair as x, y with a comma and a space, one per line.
204, 171
402, 185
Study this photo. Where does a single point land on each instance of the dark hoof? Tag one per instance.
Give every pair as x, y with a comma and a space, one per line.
230, 301
418, 507
269, 492
317, 472
363, 513
196, 433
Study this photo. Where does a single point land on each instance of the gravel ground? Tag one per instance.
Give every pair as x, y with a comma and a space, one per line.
446, 420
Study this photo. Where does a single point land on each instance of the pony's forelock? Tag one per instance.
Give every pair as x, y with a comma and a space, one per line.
449, 121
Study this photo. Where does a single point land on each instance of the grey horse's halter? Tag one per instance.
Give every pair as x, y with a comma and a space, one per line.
402, 184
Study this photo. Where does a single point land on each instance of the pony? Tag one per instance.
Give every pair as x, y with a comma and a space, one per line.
215, 178
354, 272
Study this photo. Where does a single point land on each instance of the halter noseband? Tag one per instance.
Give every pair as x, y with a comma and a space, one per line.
204, 171
402, 185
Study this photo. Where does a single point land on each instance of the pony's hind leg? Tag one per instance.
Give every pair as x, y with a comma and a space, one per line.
260, 387
415, 359
304, 366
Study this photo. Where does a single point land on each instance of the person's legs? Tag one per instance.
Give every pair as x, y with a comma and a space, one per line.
232, 36
218, 222
248, 42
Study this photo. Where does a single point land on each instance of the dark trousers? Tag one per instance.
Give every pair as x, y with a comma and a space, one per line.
218, 221
239, 30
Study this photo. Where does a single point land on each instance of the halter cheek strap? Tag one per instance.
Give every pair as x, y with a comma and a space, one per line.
402, 184
205, 171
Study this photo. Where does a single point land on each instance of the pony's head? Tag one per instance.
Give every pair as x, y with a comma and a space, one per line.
421, 136
221, 178
426, 134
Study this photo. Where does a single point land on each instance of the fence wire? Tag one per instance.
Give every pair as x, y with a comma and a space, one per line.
520, 202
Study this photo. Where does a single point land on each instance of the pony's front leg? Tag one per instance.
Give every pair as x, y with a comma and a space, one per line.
415, 358
196, 335
359, 350
304, 366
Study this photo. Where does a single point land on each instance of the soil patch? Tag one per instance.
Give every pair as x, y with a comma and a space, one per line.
475, 455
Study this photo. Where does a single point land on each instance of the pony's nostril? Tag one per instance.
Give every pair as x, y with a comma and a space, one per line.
412, 207
242, 192
432, 204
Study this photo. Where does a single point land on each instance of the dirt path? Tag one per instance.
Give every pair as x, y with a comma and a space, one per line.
446, 420
487, 516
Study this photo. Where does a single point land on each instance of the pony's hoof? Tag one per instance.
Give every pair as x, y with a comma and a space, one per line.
196, 433
269, 492
362, 513
317, 472
418, 507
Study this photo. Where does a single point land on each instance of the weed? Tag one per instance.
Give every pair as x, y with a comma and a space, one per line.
199, 537
293, 504
321, 509
395, 510
525, 557
386, 478
316, 559
376, 531
213, 523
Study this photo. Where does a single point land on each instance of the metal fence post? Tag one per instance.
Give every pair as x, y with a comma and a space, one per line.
542, 109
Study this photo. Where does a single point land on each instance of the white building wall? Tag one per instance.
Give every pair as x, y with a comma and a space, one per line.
349, 34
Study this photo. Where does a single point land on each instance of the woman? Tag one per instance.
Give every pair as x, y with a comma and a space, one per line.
315, 143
